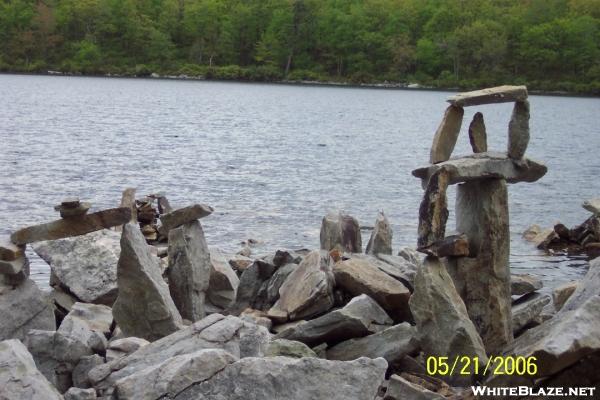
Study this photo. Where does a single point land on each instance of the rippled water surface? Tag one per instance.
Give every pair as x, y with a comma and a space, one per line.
273, 159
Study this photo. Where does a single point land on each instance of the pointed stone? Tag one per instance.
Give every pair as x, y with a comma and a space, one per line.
518, 130
183, 215
561, 294
499, 94
381, 237
224, 282
144, 307
446, 135
433, 212
477, 134
340, 232
128, 201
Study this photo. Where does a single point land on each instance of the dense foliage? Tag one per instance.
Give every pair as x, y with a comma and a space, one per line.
547, 44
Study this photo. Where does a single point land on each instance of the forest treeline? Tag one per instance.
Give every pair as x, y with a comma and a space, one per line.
546, 44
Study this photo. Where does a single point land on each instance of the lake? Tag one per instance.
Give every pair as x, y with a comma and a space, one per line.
273, 159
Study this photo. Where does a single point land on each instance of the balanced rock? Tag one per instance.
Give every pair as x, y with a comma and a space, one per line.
477, 134
450, 246
360, 277
12, 273
380, 241
223, 282
128, 201
182, 216
189, 269
19, 377
85, 266
433, 211
342, 232
68, 227
499, 94
10, 251
73, 211
518, 130
144, 307
562, 293
360, 317
23, 308
446, 135
526, 310
308, 289
521, 284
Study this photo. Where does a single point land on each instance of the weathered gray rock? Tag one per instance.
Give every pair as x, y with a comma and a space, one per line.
592, 205
410, 255
241, 339
433, 211
128, 201
182, 216
10, 251
251, 281
97, 317
23, 308
122, 347
499, 94
276, 281
283, 257
358, 276
174, 375
360, 317
483, 278
256, 317
441, 316
288, 348
19, 377
402, 389
478, 134
527, 309
561, 294
80, 372
282, 378
144, 307
484, 166
83, 332
240, 263
68, 227
223, 283
380, 241
80, 394
189, 269
395, 266
342, 232
518, 130
446, 135
308, 289
85, 265
587, 288
393, 344
521, 284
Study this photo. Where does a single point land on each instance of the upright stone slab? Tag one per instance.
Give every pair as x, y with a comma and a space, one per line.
446, 135
433, 212
144, 307
483, 279
518, 130
342, 232
128, 201
381, 237
477, 134
189, 269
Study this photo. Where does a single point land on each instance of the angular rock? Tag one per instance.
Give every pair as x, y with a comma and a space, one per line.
592, 206
189, 269
342, 232
395, 266
392, 344
72, 212
80, 394
19, 377
10, 251
450, 246
23, 308
401, 389
80, 372
240, 263
13, 273
144, 307
358, 276
276, 281
128, 201
521, 284
477, 134
85, 266
223, 283
485, 166
97, 318
308, 289
527, 309
518, 130
282, 378
441, 316
251, 281
587, 288
446, 135
433, 211
410, 255
283, 257
360, 317
121, 347
380, 241
182, 216
499, 94
288, 348
256, 317
241, 339
562, 293
64, 228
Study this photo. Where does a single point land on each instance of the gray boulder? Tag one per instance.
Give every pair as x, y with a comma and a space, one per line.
446, 135
223, 283
562, 293
85, 265
288, 348
80, 394
527, 309
119, 348
521, 284
587, 288
341, 232
79, 374
251, 282
380, 241
98, 318
183, 216
395, 266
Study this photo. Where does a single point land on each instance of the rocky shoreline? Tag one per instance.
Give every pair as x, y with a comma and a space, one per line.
142, 308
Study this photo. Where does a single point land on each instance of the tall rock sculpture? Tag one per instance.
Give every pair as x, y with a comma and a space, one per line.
482, 278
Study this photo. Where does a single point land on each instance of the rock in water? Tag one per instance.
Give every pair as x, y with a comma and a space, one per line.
483, 279
189, 269
282, 378
182, 216
224, 282
381, 237
144, 307
433, 211
19, 377
518, 130
588, 287
441, 316
561, 294
477, 134
499, 94
85, 265
446, 135
526, 309
521, 284
342, 232
308, 289
23, 308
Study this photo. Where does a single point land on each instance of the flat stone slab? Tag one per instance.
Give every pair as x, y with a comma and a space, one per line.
484, 166
183, 215
69, 227
499, 94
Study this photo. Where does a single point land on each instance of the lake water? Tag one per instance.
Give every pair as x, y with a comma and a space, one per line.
273, 159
